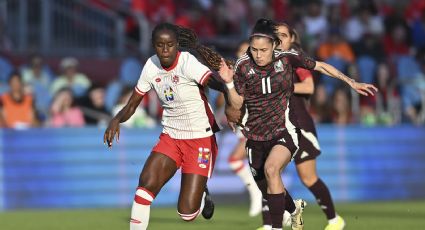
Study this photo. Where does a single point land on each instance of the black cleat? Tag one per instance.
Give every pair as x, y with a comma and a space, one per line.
208, 210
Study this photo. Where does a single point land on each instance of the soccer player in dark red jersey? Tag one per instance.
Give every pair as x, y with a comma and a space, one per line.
309, 148
263, 81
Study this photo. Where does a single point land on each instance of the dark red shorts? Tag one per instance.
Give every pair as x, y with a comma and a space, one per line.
258, 151
308, 147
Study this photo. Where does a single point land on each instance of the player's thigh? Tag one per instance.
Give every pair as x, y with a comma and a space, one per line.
256, 152
277, 160
158, 169
191, 192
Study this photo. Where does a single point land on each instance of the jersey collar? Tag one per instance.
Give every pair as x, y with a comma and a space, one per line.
174, 63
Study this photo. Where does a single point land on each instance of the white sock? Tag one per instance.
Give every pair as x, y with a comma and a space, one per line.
141, 208
267, 227
242, 170
333, 220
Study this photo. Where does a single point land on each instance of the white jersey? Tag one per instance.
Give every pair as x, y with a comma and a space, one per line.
187, 114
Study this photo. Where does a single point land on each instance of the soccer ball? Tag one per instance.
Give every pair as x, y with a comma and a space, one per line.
287, 222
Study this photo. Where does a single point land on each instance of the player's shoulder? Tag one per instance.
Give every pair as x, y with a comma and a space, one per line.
279, 54
242, 61
152, 66
186, 56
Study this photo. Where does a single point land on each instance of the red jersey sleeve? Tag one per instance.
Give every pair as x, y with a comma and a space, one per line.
303, 74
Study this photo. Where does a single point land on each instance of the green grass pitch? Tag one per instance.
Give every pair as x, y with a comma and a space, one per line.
371, 215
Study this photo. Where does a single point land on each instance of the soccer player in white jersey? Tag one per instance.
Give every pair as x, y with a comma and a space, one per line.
187, 140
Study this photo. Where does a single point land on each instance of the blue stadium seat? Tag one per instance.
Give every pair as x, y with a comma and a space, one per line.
332, 83
6, 69
128, 75
112, 94
130, 71
367, 68
408, 74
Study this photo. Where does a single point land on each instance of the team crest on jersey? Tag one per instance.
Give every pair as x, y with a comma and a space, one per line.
175, 79
203, 157
278, 66
168, 93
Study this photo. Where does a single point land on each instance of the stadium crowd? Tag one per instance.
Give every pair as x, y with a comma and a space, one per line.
380, 42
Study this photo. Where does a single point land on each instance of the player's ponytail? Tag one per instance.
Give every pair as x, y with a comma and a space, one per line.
188, 39
265, 28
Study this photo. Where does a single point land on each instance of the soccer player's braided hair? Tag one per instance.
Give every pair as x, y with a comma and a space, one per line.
187, 38
266, 28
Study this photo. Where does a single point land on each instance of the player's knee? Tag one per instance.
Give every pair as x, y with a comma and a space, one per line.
190, 216
149, 182
271, 171
188, 207
308, 180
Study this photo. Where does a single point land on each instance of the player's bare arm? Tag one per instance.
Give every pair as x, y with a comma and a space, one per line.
234, 99
123, 115
361, 88
304, 87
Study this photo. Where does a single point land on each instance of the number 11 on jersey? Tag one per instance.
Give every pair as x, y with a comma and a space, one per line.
265, 83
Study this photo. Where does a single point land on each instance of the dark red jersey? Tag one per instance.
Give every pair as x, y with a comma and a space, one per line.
299, 103
266, 90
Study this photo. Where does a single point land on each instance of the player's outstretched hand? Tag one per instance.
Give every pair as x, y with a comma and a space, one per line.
364, 88
225, 72
112, 131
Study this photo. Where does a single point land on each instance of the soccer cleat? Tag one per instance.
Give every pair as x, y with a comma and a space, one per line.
296, 218
338, 225
208, 210
265, 227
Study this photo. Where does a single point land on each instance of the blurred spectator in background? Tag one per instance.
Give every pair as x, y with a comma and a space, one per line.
369, 46
129, 73
418, 31
335, 47
411, 78
320, 105
37, 78
155, 11
36, 72
384, 108
365, 21
17, 108
396, 38
71, 78
337, 52
64, 111
6, 69
140, 118
341, 107
93, 107
315, 22
199, 18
